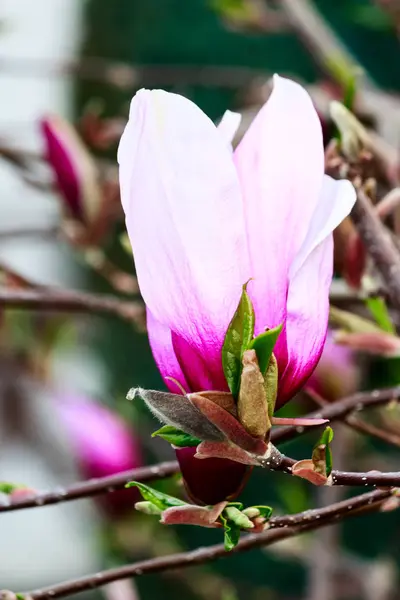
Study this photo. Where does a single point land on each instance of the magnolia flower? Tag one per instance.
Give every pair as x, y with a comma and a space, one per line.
203, 221
73, 167
103, 444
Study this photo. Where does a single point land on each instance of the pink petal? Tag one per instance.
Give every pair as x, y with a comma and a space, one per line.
280, 162
308, 295
164, 355
184, 215
228, 125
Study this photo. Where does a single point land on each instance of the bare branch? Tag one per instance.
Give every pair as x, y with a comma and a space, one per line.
339, 410
319, 38
93, 487
280, 528
379, 244
334, 412
69, 301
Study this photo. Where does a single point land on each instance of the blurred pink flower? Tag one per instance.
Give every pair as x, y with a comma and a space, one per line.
103, 442
202, 221
337, 373
73, 168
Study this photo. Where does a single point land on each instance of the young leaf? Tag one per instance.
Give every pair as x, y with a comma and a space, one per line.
265, 511
322, 454
231, 536
237, 339
178, 411
264, 344
377, 306
176, 437
238, 518
160, 500
9, 488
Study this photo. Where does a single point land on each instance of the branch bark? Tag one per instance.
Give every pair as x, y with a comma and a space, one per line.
280, 528
68, 301
379, 245
93, 487
334, 411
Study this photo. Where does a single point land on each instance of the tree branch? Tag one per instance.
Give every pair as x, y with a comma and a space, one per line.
333, 412
325, 47
69, 301
338, 410
93, 487
379, 245
280, 528
280, 462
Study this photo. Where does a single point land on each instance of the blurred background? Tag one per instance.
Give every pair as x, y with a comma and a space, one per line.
68, 69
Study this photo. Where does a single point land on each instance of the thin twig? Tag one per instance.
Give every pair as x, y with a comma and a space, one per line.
357, 424
26, 232
339, 410
280, 528
93, 487
126, 76
373, 431
320, 38
68, 301
379, 244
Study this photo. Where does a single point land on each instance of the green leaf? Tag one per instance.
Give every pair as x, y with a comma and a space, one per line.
326, 436
176, 437
350, 90
160, 500
237, 339
377, 307
265, 511
231, 536
9, 488
238, 505
264, 344
322, 454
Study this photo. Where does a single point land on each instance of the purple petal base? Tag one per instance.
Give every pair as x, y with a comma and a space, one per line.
211, 480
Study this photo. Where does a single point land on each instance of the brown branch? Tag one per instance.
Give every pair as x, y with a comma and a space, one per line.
280, 462
379, 244
70, 301
42, 232
319, 38
339, 410
373, 431
93, 487
358, 424
126, 76
280, 528
335, 411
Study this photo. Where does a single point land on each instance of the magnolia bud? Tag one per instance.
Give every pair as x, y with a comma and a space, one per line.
354, 136
238, 518
74, 169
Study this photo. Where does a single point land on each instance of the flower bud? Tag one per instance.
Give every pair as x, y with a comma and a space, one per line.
74, 169
354, 137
